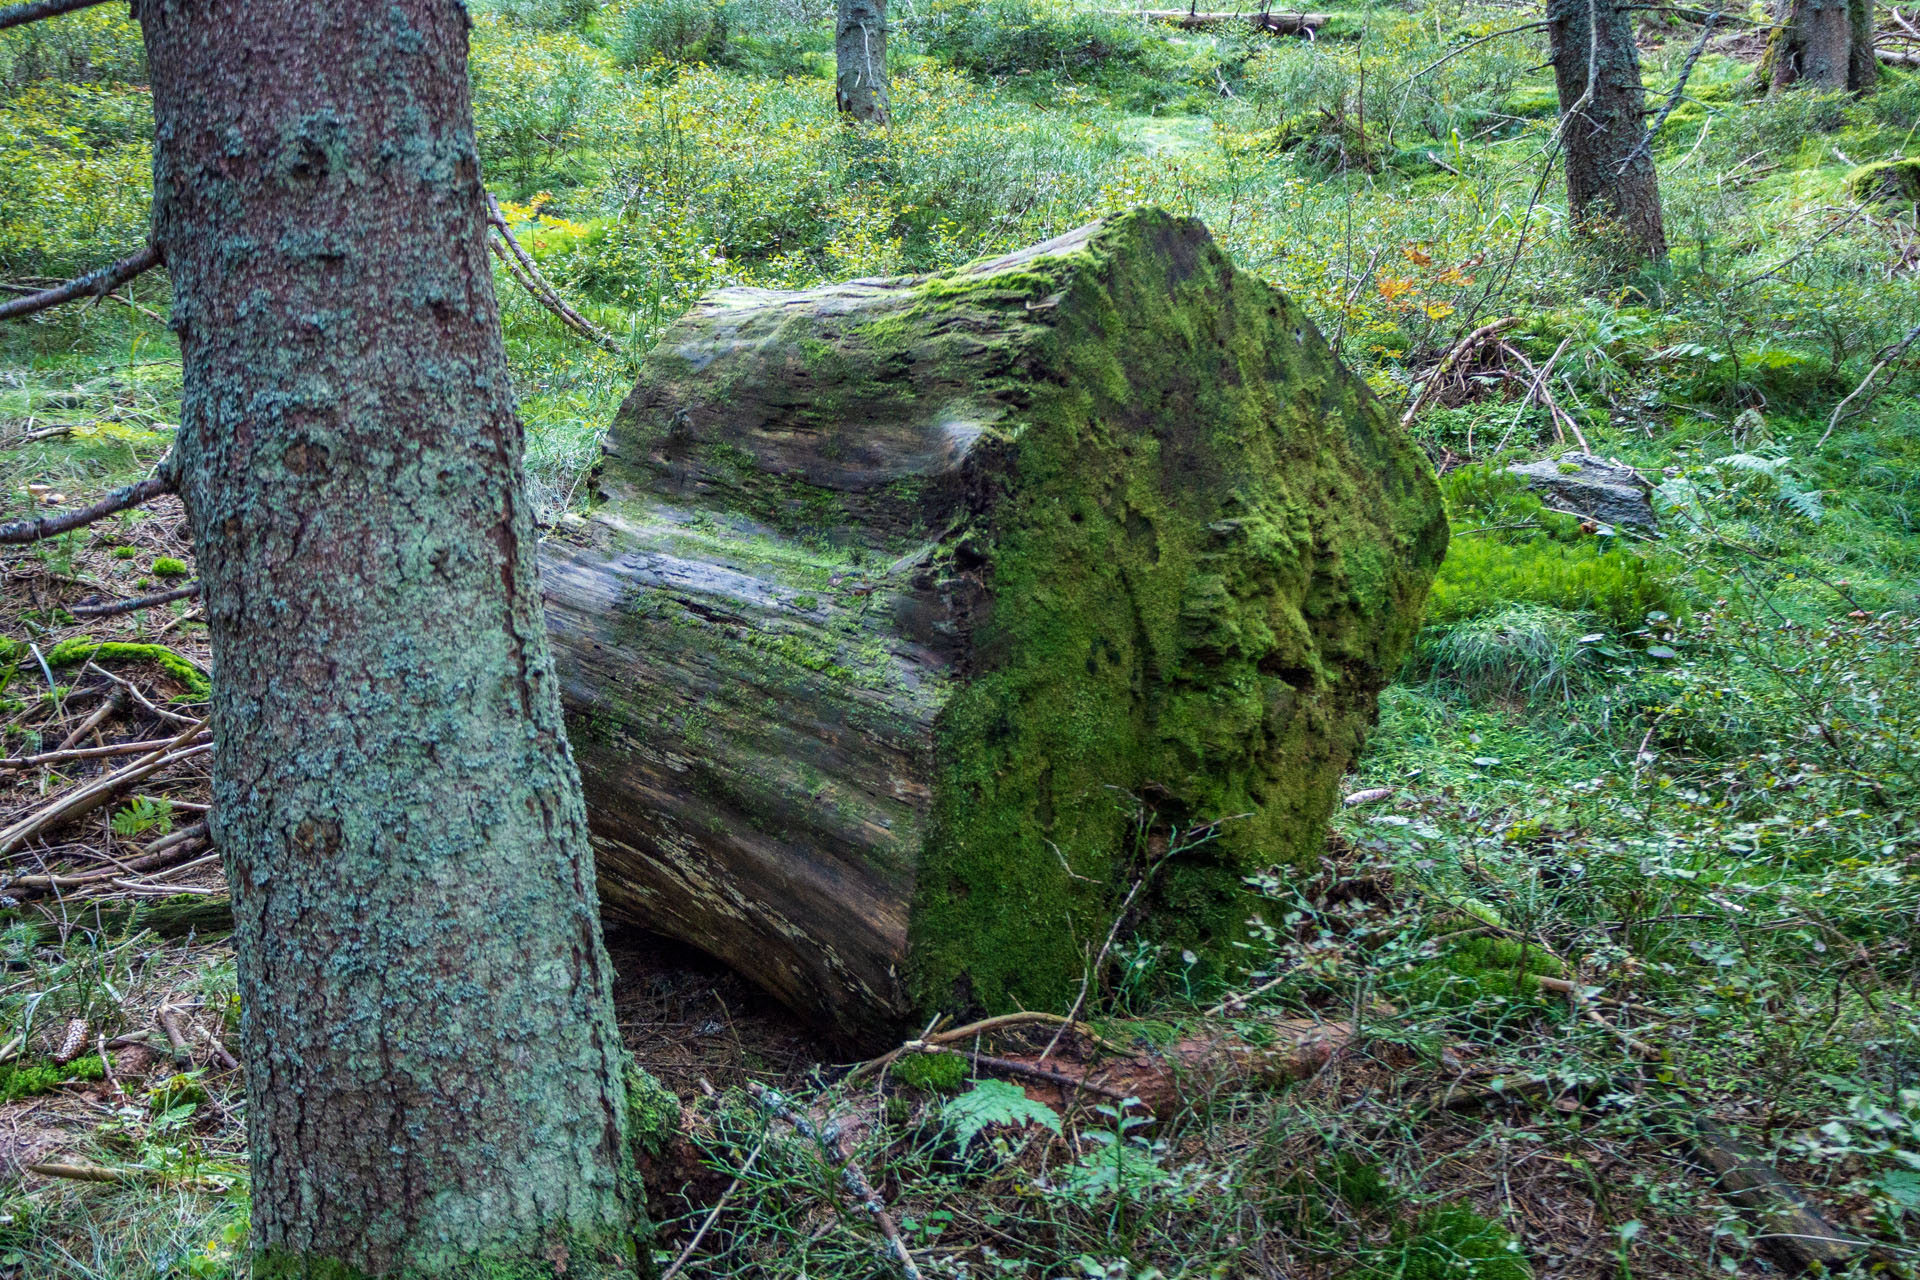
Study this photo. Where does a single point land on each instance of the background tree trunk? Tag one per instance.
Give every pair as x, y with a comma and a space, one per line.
860, 57
1826, 44
921, 612
434, 1076
1612, 187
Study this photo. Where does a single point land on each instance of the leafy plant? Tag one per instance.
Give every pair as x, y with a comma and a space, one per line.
994, 1102
141, 815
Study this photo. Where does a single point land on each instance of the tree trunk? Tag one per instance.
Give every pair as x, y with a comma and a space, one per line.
1825, 44
860, 57
1613, 191
910, 598
434, 1076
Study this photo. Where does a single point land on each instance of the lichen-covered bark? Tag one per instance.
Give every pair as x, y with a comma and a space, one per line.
1824, 44
434, 1077
860, 58
906, 591
1612, 187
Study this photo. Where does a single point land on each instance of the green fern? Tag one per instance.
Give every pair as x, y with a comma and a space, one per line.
144, 814
994, 1102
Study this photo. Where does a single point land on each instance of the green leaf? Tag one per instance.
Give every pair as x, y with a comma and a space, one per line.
994, 1102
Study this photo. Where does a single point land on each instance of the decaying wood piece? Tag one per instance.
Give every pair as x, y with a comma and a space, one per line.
1789, 1226
917, 612
1285, 24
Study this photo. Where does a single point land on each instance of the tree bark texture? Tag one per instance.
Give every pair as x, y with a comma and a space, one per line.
1612, 187
860, 58
910, 598
435, 1081
1825, 44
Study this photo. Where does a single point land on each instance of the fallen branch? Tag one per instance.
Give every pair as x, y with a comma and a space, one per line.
850, 1174
1028, 1071
999, 1023
1481, 335
17, 14
138, 602
110, 706
1789, 1224
713, 1215
92, 796
1539, 386
1285, 24
1894, 356
22, 531
161, 860
96, 284
1673, 98
538, 285
70, 754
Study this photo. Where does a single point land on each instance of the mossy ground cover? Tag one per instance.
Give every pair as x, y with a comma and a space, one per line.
1676, 769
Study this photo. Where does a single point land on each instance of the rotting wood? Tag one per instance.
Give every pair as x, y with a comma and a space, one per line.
1787, 1223
1286, 24
911, 606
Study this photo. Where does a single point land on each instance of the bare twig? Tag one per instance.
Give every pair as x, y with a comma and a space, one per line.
16, 14
1546, 397
96, 284
21, 531
713, 1215
1000, 1022
1892, 357
83, 753
172, 856
850, 1174
138, 602
1460, 348
111, 706
1673, 98
538, 285
92, 796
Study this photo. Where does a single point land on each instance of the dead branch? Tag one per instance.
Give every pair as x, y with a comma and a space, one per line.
713, 1215
77, 1172
17, 14
177, 855
538, 285
96, 284
67, 755
1028, 1071
93, 795
850, 1173
1432, 384
138, 602
220, 1053
1894, 356
23, 531
146, 703
1285, 24
111, 706
1539, 385
1789, 1224
1000, 1023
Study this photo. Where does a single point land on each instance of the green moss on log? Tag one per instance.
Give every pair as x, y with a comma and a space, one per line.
943, 601
80, 649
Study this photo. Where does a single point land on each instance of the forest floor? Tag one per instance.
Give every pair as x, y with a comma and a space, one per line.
1630, 879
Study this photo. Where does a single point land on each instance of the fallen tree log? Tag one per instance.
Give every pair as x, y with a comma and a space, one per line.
921, 615
1284, 24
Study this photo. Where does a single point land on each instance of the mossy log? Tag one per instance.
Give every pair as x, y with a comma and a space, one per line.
918, 613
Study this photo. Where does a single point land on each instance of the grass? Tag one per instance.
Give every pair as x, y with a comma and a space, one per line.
1675, 769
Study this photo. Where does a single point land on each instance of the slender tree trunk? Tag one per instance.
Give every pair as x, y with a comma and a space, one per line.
1825, 44
860, 54
1612, 186
434, 1076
